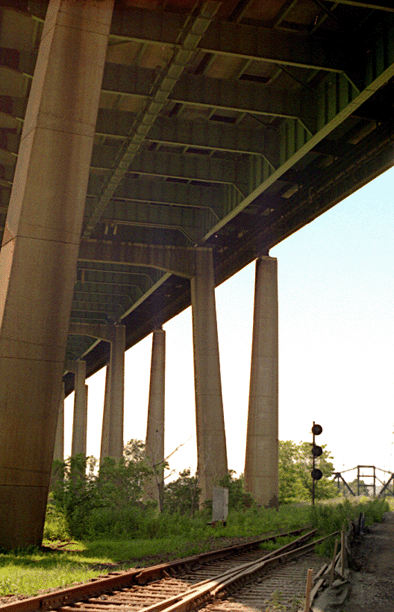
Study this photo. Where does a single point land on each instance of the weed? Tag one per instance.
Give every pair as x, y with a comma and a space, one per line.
274, 604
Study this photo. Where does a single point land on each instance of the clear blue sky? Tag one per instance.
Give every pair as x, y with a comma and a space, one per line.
336, 344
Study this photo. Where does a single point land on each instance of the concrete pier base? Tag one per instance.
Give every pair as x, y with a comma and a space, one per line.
211, 439
39, 255
154, 443
261, 463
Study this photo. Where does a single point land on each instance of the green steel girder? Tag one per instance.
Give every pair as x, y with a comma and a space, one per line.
159, 192
5, 193
328, 187
83, 316
233, 39
200, 134
9, 149
12, 82
12, 112
132, 292
193, 222
171, 259
107, 275
277, 47
381, 5
186, 166
18, 61
112, 310
336, 99
188, 38
235, 95
113, 299
128, 80
101, 278
146, 26
210, 92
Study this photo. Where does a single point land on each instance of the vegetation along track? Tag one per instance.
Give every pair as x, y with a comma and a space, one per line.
191, 583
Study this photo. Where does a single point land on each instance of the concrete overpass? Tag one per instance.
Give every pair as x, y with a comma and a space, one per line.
150, 150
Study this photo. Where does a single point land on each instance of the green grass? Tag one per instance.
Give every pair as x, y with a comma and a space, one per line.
27, 572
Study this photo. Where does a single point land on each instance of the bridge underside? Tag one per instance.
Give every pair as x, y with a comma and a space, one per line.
227, 125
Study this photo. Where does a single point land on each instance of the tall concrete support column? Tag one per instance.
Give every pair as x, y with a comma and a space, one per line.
80, 420
39, 255
112, 434
58, 453
154, 443
105, 426
261, 464
211, 439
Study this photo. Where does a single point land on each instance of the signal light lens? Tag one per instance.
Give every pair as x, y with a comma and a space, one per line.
316, 474
317, 429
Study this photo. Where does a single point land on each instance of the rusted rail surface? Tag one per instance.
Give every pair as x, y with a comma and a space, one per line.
162, 589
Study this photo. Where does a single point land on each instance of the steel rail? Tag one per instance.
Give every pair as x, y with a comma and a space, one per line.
97, 586
208, 590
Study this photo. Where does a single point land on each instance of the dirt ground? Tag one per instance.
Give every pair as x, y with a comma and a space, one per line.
372, 584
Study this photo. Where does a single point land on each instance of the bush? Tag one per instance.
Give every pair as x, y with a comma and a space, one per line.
182, 495
238, 499
330, 517
56, 527
105, 500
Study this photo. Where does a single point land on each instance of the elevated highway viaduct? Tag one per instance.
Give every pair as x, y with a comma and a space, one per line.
148, 151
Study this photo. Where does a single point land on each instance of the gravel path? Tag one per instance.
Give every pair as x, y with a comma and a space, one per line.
372, 587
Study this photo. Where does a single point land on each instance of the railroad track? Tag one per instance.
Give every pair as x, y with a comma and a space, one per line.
239, 578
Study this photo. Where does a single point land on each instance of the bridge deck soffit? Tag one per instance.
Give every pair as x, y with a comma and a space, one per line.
228, 127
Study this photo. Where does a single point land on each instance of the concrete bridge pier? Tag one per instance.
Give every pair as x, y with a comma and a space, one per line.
112, 430
39, 255
112, 442
261, 463
211, 438
80, 419
58, 453
154, 443
106, 413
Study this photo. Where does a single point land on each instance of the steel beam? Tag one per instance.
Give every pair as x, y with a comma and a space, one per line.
210, 92
337, 99
100, 275
186, 166
197, 134
173, 194
380, 5
129, 291
189, 37
192, 222
93, 298
176, 260
232, 39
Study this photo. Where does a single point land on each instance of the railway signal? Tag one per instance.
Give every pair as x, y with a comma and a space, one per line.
317, 451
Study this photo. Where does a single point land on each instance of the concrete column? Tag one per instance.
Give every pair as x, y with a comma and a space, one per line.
154, 443
112, 434
80, 420
261, 464
58, 453
211, 439
39, 255
104, 449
